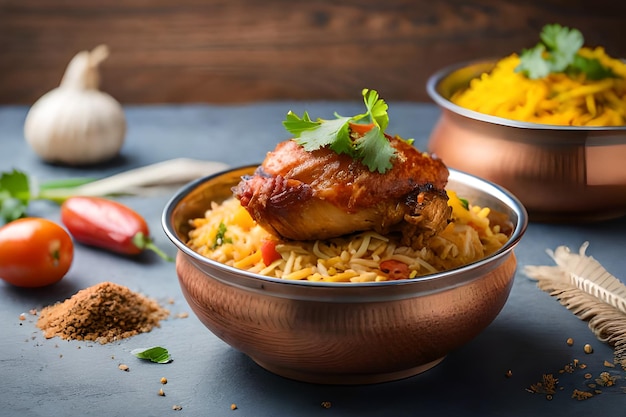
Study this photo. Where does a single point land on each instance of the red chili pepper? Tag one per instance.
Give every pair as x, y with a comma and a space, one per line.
107, 224
394, 269
269, 252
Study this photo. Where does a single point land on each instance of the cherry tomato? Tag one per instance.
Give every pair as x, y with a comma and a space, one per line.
34, 252
269, 252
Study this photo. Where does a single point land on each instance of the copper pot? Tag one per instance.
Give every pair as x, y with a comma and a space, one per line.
560, 173
343, 333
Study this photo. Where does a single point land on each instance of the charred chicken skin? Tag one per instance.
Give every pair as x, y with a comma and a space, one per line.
307, 195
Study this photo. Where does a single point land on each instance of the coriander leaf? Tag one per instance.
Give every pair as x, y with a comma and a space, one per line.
10, 208
377, 108
296, 125
565, 40
591, 67
342, 142
563, 46
375, 150
372, 149
558, 52
333, 133
155, 354
220, 237
532, 63
14, 196
16, 183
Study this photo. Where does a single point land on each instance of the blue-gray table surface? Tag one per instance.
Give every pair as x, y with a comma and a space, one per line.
54, 377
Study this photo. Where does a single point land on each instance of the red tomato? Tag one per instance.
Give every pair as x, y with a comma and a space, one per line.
269, 252
34, 252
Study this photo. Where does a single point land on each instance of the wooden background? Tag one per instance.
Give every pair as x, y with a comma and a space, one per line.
233, 51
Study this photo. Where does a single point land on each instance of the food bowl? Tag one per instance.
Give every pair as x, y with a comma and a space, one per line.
560, 173
343, 333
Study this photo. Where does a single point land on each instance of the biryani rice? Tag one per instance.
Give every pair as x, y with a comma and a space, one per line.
228, 234
557, 99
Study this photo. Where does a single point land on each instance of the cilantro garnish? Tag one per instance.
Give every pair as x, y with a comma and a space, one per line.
372, 149
558, 52
155, 354
17, 190
220, 237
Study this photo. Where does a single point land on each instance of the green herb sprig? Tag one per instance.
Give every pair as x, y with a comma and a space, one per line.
558, 52
372, 149
220, 237
17, 190
155, 354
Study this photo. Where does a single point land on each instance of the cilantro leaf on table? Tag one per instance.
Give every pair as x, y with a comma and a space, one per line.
155, 354
372, 148
17, 190
558, 52
14, 196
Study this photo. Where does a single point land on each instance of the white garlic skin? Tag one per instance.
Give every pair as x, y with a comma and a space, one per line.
75, 127
76, 123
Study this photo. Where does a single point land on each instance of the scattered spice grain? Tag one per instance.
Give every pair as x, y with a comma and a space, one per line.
581, 395
176, 407
123, 367
587, 348
233, 406
163, 380
569, 341
161, 392
606, 379
104, 313
326, 404
547, 386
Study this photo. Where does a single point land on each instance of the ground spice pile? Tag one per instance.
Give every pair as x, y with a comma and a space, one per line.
104, 313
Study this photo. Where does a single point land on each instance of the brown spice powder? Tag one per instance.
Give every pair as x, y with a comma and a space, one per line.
104, 313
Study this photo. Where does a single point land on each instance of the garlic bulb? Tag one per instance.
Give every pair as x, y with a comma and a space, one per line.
76, 123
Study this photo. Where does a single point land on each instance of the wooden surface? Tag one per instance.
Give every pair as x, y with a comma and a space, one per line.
222, 51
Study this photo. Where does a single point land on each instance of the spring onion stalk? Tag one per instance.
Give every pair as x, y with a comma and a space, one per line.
17, 188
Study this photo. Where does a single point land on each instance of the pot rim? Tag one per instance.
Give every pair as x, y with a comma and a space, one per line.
433, 282
433, 88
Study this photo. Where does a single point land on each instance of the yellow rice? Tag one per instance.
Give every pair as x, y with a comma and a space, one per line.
353, 258
557, 99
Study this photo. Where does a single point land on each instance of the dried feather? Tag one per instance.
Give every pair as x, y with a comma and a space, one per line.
583, 286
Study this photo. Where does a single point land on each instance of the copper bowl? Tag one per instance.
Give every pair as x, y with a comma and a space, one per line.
560, 173
342, 333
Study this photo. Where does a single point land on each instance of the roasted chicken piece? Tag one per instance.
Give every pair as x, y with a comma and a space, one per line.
301, 195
